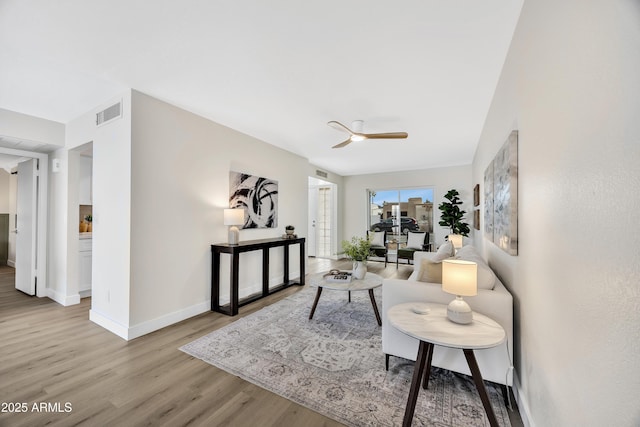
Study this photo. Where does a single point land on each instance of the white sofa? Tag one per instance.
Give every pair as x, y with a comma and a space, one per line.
497, 303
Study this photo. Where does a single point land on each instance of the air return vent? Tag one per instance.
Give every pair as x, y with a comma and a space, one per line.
321, 173
109, 114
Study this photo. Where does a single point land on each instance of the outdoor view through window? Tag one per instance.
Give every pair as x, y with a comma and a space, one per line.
400, 211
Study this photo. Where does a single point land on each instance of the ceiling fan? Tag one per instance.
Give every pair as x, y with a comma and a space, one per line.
357, 135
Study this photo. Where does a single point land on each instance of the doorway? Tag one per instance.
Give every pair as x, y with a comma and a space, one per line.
31, 260
322, 219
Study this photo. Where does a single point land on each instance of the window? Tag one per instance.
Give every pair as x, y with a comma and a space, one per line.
402, 210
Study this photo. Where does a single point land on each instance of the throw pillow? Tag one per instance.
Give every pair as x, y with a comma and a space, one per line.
430, 271
486, 277
464, 251
445, 251
415, 240
378, 238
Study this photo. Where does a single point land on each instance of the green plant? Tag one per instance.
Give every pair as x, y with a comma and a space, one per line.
358, 249
452, 215
88, 218
289, 227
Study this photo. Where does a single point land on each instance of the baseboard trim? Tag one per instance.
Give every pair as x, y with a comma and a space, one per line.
11, 263
167, 320
132, 332
523, 406
63, 299
109, 324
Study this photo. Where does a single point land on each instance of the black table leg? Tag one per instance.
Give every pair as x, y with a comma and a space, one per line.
215, 281
427, 371
302, 263
477, 378
286, 265
235, 275
375, 307
265, 272
315, 302
415, 383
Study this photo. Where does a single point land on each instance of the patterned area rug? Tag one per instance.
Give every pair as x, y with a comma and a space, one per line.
333, 364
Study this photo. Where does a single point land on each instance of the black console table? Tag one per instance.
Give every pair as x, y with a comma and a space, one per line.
231, 309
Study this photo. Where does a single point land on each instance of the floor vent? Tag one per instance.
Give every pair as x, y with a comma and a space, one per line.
112, 113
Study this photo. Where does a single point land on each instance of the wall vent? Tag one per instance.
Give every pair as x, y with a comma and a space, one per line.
321, 173
112, 113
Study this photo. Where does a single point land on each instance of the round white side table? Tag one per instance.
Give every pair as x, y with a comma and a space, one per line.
369, 283
428, 323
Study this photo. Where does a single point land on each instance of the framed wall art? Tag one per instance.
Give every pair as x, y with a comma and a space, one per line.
476, 195
501, 197
258, 196
488, 202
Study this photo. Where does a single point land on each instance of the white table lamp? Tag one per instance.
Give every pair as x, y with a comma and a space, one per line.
459, 278
233, 218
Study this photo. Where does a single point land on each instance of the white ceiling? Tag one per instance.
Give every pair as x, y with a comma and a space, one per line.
278, 70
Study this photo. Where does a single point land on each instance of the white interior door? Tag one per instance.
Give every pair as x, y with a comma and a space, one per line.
312, 231
26, 216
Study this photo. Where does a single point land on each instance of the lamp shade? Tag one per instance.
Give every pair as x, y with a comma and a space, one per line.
460, 277
233, 216
456, 240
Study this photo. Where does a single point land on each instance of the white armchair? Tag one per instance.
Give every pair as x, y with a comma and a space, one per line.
497, 303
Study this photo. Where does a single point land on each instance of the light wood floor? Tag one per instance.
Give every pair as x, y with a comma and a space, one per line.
52, 354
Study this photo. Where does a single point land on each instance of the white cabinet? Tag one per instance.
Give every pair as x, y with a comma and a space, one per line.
84, 283
85, 186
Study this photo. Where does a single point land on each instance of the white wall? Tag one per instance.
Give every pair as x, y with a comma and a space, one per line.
180, 186
58, 220
570, 86
356, 201
110, 287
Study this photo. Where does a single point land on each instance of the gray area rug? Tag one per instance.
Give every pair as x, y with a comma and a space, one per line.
333, 364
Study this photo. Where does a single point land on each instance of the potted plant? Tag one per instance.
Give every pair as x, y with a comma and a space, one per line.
452, 215
289, 229
358, 250
89, 220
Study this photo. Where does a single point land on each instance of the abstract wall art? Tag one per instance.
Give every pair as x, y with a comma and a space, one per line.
501, 197
258, 196
488, 202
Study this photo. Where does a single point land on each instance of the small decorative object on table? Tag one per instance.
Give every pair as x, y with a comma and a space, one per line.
89, 221
289, 232
358, 250
337, 276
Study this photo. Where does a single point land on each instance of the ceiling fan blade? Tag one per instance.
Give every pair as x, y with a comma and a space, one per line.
342, 144
339, 126
388, 135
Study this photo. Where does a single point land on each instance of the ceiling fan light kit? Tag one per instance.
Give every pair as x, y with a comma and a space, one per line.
357, 135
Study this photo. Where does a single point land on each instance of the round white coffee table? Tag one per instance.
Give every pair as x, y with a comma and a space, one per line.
369, 283
431, 327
